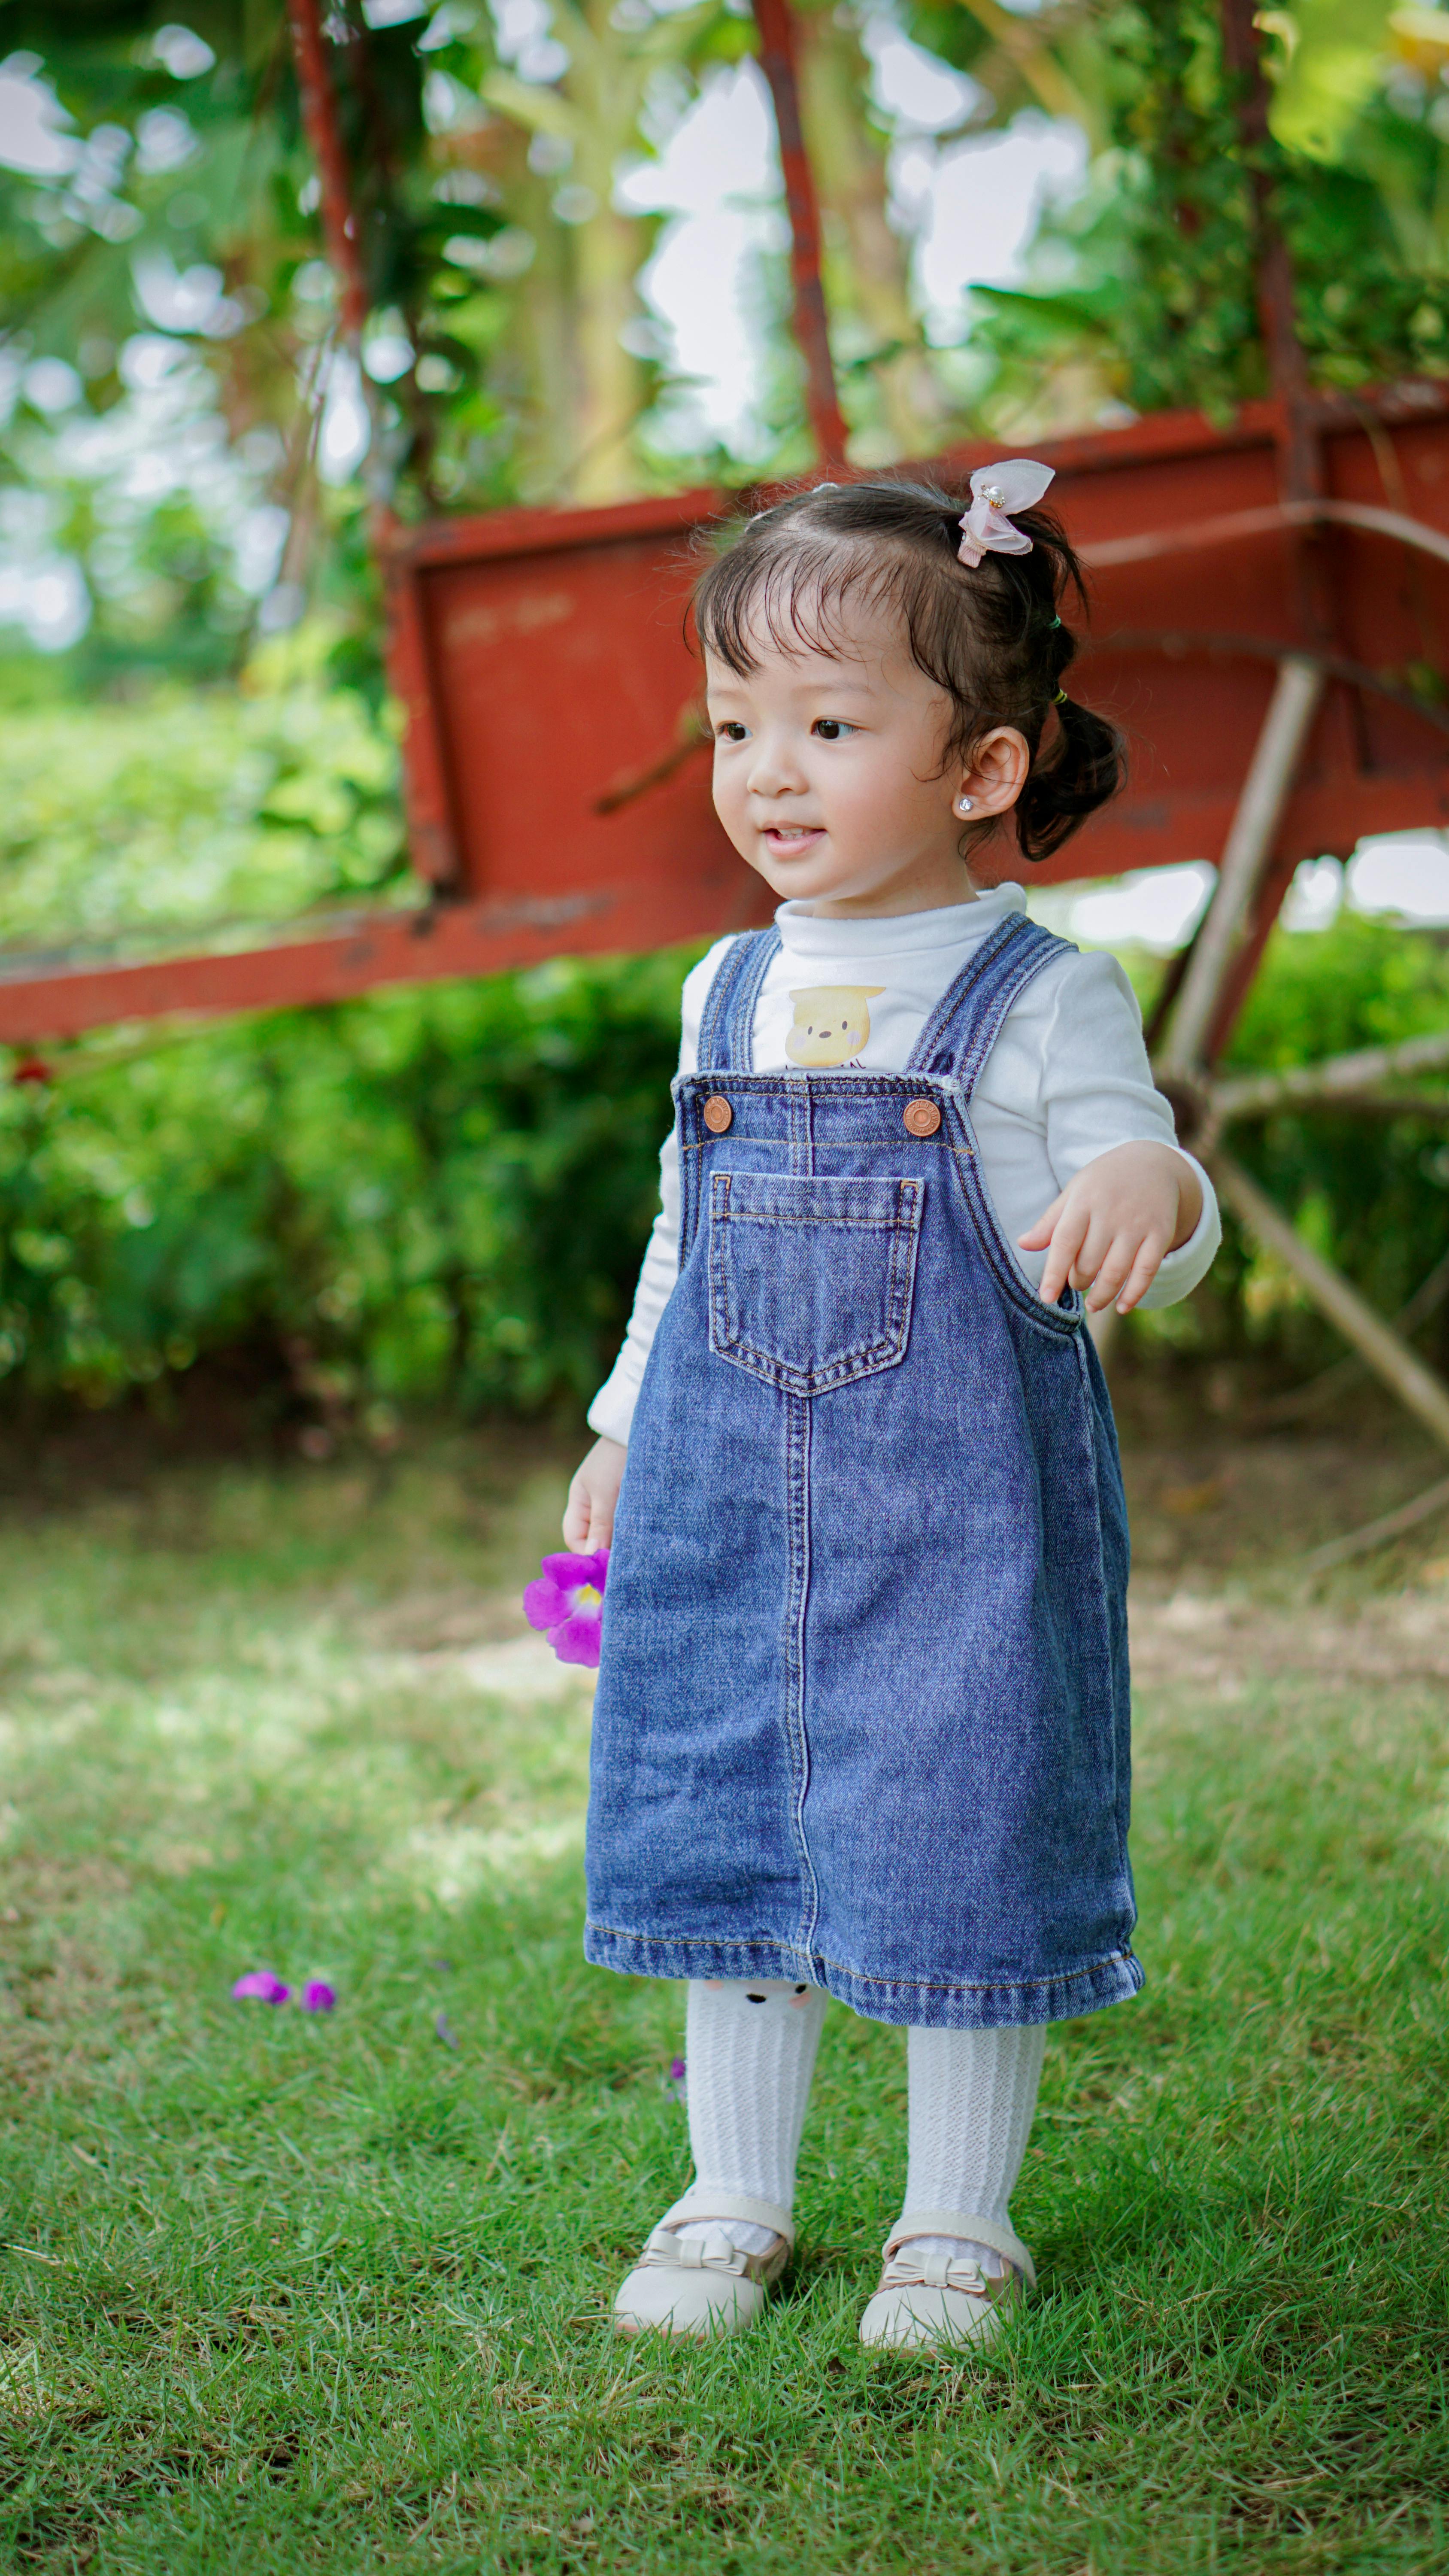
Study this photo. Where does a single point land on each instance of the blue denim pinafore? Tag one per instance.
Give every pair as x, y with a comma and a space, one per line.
863, 1709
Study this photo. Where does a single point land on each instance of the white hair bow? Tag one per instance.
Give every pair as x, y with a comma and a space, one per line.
995, 490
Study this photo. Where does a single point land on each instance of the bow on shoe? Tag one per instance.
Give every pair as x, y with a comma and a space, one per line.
996, 490
712, 2253
909, 2270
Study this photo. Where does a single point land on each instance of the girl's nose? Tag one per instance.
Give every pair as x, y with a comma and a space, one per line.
775, 769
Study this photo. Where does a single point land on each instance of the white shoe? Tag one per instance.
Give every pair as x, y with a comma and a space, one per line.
705, 2287
934, 2301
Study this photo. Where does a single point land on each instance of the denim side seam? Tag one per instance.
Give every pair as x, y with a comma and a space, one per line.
1104, 1642
1060, 1324
798, 1427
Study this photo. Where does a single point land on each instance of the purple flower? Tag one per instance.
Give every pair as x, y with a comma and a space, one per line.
567, 1603
260, 1985
317, 1997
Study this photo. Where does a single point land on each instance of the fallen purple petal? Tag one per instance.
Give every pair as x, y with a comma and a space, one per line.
318, 1997
444, 2034
259, 1986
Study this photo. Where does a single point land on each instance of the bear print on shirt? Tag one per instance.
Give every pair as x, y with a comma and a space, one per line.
832, 1023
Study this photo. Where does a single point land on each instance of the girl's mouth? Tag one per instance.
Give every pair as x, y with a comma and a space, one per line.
787, 840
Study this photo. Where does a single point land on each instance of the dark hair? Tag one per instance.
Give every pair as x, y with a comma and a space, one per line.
992, 637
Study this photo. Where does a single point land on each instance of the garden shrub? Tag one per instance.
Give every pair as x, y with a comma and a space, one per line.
433, 1195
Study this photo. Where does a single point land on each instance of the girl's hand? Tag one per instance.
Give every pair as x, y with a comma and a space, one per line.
588, 1520
1109, 1228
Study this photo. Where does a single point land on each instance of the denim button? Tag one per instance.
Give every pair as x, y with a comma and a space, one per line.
718, 1114
922, 1117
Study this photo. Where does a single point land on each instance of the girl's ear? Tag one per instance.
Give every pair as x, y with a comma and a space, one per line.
999, 765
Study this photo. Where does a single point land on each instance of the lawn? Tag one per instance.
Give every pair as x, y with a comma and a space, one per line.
288, 2292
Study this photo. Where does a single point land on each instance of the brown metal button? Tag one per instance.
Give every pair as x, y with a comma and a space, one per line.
922, 1117
718, 1114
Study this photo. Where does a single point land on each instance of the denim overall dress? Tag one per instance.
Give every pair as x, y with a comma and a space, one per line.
862, 1716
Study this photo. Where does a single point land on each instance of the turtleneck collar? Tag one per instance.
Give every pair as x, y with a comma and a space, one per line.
896, 934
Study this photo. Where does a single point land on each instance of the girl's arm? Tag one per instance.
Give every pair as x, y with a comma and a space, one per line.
594, 1492
612, 1409
1108, 1231
589, 1514
1135, 1218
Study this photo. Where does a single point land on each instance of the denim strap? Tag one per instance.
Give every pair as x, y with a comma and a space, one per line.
966, 1022
726, 1024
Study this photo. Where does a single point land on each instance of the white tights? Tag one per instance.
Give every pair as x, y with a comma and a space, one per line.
750, 2054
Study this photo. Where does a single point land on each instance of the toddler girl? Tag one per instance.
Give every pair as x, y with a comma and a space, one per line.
862, 1721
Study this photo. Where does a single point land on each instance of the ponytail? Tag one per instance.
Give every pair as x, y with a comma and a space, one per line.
1083, 769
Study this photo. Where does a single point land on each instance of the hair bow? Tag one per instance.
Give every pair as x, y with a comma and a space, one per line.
996, 489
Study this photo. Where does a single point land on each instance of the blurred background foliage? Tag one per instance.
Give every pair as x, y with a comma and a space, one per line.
182, 448
441, 1196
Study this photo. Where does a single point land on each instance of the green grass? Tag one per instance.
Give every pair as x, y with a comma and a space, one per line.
285, 2293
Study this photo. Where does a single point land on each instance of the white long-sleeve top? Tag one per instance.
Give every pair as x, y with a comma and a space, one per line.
1066, 1080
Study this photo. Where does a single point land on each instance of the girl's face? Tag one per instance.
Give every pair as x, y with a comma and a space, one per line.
828, 775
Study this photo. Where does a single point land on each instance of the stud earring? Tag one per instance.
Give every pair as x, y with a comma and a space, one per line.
963, 804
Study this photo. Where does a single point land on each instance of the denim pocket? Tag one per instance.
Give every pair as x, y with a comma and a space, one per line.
810, 1280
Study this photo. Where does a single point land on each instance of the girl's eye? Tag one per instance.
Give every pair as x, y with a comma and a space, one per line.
831, 729
731, 733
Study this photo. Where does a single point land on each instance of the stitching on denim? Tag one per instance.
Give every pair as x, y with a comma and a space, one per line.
906, 1187
968, 1019
746, 959
728, 1023
821, 1224
740, 1036
845, 1367
1107, 1693
887, 1985
949, 1008
797, 1505
1058, 1326
868, 1361
831, 1145
1019, 968
722, 984
985, 1985
1061, 1325
718, 1270
1034, 952
777, 1084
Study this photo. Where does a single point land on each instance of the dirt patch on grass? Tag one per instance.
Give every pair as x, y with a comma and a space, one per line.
63, 1989
1215, 1639
1216, 1492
